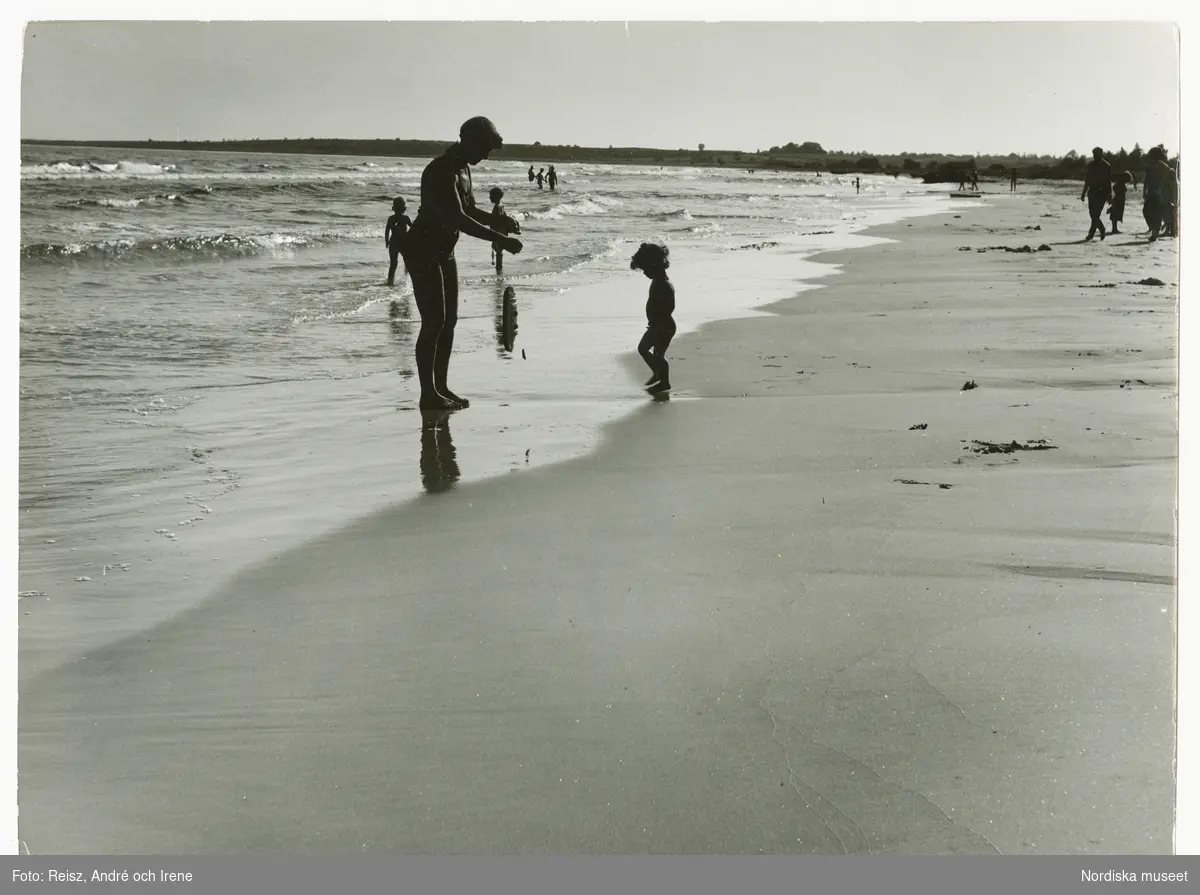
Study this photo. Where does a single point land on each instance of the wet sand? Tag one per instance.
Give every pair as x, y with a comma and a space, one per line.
767, 615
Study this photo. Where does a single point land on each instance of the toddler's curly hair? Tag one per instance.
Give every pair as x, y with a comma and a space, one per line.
651, 255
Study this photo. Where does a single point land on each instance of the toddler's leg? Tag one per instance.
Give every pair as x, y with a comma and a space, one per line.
643, 348
660, 352
662, 338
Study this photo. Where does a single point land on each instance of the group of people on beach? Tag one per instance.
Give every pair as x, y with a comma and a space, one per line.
1160, 193
544, 176
447, 209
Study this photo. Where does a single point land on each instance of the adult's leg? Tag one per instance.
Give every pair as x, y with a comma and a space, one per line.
444, 344
1096, 208
428, 292
1152, 211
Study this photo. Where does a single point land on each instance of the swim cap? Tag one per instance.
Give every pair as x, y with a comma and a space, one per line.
482, 130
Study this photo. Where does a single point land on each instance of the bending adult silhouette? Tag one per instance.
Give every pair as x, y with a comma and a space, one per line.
448, 208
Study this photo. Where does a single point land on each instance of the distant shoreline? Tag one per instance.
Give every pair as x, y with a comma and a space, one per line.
916, 165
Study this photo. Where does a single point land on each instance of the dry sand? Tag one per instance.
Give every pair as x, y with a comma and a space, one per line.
767, 615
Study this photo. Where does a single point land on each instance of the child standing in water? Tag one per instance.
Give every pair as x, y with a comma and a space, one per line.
393, 236
496, 194
653, 261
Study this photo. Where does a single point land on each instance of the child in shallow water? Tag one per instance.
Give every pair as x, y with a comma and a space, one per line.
496, 194
393, 236
653, 260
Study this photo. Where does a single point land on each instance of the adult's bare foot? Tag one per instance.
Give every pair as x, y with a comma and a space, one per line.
437, 402
453, 398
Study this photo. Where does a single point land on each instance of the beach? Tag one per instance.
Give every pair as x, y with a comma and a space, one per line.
892, 571
213, 371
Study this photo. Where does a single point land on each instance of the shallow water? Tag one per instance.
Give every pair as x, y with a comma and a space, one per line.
212, 369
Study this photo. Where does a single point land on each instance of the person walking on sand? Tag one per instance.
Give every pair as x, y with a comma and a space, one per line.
653, 260
498, 212
552, 177
393, 236
974, 180
857, 185
1171, 179
1159, 192
541, 175
1151, 209
448, 208
1012, 181
1116, 208
1097, 190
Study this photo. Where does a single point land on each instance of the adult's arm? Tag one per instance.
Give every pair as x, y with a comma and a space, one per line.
449, 209
497, 222
1172, 183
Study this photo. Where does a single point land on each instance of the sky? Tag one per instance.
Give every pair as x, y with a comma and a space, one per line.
952, 87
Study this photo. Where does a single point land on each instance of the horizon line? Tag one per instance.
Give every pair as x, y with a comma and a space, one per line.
514, 145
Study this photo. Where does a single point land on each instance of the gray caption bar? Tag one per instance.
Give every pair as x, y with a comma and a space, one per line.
212, 875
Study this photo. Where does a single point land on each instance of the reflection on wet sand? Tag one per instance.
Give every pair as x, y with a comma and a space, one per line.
439, 466
401, 325
506, 318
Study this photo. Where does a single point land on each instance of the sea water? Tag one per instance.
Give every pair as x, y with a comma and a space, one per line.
212, 368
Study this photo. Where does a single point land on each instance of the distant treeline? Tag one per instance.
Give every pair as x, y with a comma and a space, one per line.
1073, 166
808, 156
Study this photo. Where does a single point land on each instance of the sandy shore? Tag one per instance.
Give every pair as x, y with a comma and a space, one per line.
768, 615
